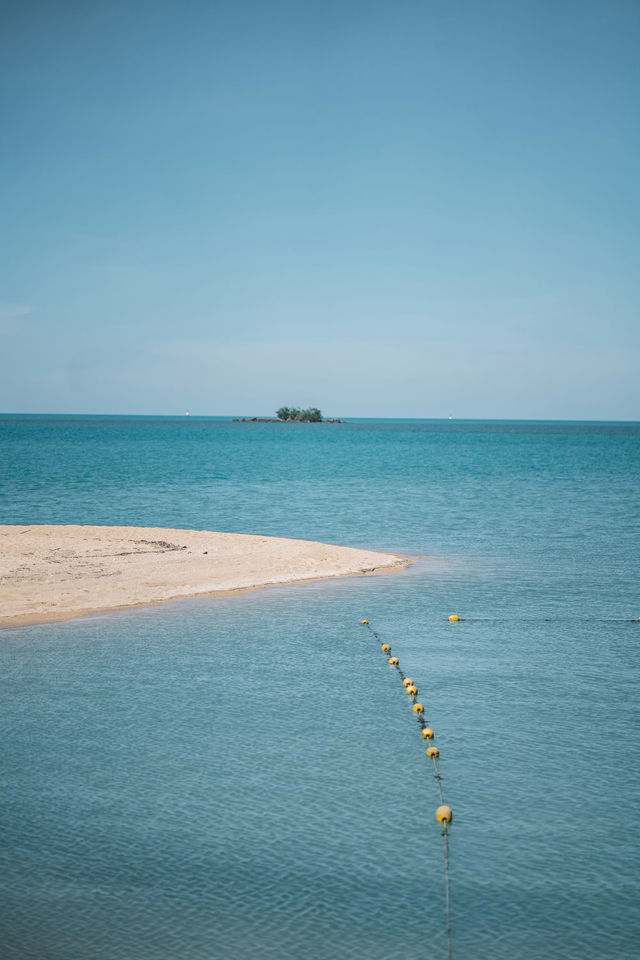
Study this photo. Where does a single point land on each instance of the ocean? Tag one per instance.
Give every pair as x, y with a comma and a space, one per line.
243, 778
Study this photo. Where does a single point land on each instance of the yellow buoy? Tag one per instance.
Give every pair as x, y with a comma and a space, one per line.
393, 661
364, 621
418, 708
454, 618
427, 733
407, 682
444, 814
385, 648
433, 752
412, 691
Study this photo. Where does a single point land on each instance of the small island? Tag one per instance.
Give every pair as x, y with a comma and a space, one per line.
291, 415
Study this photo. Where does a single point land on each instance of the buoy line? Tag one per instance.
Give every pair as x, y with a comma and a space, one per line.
454, 618
444, 814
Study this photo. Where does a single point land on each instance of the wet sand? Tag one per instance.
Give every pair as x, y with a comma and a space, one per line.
59, 572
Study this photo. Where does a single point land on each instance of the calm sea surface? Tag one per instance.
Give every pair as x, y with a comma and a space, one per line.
243, 779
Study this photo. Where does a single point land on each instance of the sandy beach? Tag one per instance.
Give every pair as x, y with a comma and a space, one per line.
59, 572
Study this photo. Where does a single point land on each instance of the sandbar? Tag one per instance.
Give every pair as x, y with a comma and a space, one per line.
55, 572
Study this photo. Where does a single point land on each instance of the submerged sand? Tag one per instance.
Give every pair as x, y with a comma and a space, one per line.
59, 572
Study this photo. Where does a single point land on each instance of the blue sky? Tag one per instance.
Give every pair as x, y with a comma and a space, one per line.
378, 208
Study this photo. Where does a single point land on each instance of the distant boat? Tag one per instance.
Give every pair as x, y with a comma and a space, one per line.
187, 414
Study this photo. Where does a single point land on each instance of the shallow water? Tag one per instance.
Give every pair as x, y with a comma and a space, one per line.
243, 777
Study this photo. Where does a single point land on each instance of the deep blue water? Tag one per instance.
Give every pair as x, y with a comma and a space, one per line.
242, 778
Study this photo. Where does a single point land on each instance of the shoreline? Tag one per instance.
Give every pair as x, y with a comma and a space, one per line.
47, 571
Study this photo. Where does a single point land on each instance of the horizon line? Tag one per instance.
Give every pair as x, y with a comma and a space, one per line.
224, 416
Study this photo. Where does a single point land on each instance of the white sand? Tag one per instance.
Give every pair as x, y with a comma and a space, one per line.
59, 572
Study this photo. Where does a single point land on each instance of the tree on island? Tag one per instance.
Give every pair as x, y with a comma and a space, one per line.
312, 415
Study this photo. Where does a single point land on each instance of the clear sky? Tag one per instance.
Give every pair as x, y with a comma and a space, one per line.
398, 208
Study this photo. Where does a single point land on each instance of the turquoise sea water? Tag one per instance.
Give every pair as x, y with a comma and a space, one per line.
242, 778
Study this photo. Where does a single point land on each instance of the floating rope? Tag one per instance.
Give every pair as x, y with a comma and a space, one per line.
444, 813
454, 618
